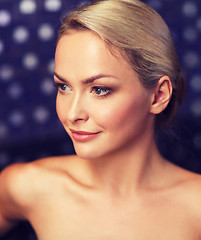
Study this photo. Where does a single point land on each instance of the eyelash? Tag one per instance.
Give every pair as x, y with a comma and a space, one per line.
60, 86
94, 89
99, 88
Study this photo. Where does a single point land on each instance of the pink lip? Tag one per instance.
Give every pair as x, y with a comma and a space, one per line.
82, 136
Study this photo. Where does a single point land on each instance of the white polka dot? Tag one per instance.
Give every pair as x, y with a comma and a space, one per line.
27, 6
47, 86
156, 4
3, 130
45, 32
1, 46
196, 107
15, 91
20, 34
51, 66
83, 2
189, 9
41, 114
195, 83
190, 34
198, 24
6, 72
30, 61
191, 59
5, 18
197, 141
52, 5
16, 118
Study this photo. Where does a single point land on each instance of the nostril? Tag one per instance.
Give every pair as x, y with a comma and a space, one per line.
77, 113
72, 108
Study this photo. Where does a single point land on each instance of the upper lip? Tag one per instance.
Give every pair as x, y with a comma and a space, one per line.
83, 132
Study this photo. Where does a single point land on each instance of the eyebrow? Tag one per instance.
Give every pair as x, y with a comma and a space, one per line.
87, 80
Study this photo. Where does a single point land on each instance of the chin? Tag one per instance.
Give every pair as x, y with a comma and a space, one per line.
87, 154
100, 152
100, 149
90, 152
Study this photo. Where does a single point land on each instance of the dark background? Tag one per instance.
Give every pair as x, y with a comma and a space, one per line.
29, 127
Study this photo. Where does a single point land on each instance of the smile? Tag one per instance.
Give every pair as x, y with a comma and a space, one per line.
82, 136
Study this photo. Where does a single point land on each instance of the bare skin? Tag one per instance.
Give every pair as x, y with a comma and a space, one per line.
118, 186
60, 205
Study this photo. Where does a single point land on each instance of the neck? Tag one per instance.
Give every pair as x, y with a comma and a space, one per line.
128, 169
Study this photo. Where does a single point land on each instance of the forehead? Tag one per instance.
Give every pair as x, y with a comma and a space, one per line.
84, 53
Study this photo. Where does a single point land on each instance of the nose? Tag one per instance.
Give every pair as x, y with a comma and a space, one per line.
77, 110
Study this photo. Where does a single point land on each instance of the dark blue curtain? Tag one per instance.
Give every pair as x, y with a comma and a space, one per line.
29, 127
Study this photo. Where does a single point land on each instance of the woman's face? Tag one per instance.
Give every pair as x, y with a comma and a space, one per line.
101, 103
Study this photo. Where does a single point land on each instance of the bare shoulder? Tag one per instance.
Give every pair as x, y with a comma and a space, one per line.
12, 191
191, 199
187, 188
12, 180
21, 183
184, 179
192, 187
183, 194
188, 179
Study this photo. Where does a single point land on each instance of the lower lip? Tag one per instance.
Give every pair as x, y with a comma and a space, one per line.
83, 137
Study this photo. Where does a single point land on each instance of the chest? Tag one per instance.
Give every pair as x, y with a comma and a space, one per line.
69, 219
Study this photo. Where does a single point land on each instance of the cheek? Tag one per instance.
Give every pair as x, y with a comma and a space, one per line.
59, 109
122, 113
117, 116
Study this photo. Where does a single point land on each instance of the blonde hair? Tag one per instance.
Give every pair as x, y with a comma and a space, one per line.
141, 34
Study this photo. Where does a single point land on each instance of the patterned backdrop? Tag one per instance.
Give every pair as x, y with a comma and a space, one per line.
29, 127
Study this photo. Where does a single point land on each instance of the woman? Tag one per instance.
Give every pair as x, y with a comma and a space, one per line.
118, 81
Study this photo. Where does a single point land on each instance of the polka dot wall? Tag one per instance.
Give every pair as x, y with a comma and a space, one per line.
29, 127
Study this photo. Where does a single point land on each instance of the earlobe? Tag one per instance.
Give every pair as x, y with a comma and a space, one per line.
161, 95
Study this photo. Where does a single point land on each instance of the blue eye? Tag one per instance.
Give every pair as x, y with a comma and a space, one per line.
101, 91
62, 87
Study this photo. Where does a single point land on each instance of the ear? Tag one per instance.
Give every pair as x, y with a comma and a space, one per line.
162, 95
